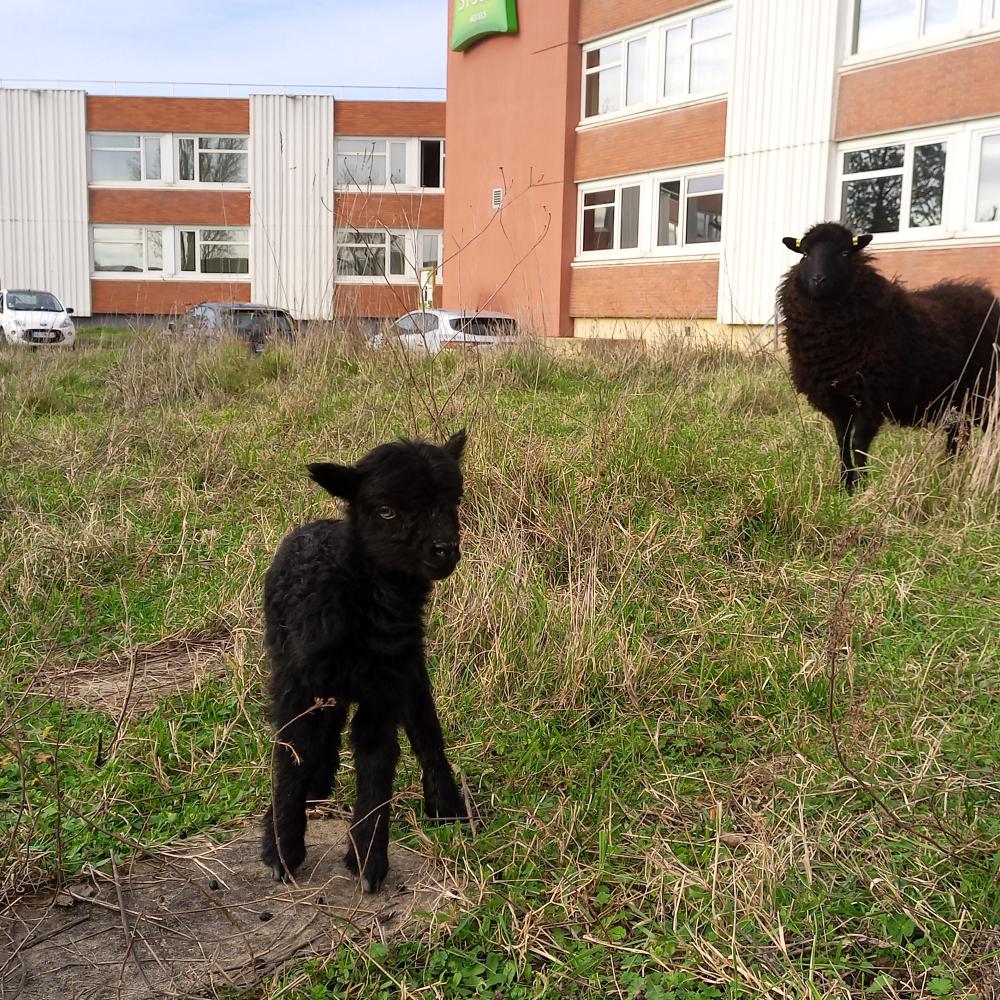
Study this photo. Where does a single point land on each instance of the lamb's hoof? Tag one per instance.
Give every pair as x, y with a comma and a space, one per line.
448, 811
371, 884
278, 873
375, 870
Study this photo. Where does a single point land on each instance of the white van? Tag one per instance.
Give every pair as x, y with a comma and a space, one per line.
35, 319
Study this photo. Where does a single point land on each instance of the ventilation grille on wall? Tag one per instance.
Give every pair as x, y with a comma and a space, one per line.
497, 198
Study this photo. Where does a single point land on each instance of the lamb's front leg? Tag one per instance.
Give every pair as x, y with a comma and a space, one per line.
376, 752
844, 431
442, 799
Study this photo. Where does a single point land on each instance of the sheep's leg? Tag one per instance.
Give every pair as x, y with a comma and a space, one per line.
442, 799
283, 844
866, 426
324, 767
842, 425
376, 751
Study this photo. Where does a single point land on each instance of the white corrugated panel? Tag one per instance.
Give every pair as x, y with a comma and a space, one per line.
291, 202
43, 194
779, 144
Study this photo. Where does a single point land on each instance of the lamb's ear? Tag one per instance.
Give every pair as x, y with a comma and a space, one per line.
455, 445
794, 244
339, 480
860, 242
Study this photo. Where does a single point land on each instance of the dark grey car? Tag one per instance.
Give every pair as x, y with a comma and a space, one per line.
256, 324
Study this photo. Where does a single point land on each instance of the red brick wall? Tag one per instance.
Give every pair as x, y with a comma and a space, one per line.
672, 138
674, 290
168, 114
602, 17
393, 118
156, 297
924, 267
378, 300
217, 208
400, 211
925, 90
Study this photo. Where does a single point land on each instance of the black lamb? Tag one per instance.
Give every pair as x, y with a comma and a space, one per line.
344, 624
864, 349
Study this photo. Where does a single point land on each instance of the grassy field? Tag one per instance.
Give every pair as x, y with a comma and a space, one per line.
729, 732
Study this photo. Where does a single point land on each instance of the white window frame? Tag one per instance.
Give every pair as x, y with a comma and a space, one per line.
198, 274
143, 137
648, 184
412, 253
654, 96
411, 145
167, 258
197, 137
961, 183
975, 18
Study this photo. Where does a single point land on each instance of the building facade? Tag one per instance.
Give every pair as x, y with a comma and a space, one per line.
149, 205
629, 168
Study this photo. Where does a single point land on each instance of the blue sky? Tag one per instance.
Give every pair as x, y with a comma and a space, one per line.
319, 42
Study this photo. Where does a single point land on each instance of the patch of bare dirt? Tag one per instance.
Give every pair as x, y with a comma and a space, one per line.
132, 683
192, 921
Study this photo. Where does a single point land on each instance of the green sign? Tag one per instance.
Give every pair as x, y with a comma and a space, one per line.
475, 19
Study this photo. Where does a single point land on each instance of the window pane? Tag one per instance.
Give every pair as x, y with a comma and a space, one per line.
675, 77
600, 197
604, 92
927, 196
222, 168
117, 256
361, 261
370, 146
712, 24
881, 23
431, 256
430, 163
221, 142
397, 172
988, 201
604, 55
361, 169
599, 228
635, 84
710, 65
225, 258
668, 234
699, 185
704, 218
118, 234
397, 255
224, 235
154, 249
114, 142
151, 147
630, 218
940, 14
872, 206
106, 166
185, 160
188, 251
881, 158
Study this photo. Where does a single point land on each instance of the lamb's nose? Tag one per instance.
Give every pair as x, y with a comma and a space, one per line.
444, 550
818, 280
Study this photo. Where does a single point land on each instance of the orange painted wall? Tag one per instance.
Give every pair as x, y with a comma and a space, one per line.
168, 114
925, 90
217, 208
669, 139
513, 103
379, 301
403, 211
161, 298
923, 267
393, 118
602, 17
681, 290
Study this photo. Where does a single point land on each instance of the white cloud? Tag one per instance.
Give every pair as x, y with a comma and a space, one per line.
394, 43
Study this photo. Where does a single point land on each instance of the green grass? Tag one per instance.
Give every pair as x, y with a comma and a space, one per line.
633, 661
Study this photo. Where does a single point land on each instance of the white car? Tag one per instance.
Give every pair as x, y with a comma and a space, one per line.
434, 330
35, 319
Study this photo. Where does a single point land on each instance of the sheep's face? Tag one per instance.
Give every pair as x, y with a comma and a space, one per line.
830, 254
403, 502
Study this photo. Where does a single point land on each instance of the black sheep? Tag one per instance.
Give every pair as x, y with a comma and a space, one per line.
344, 624
864, 349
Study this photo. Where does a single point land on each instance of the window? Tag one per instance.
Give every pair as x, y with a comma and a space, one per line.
430, 251
213, 159
615, 76
431, 163
697, 54
701, 218
611, 219
895, 187
128, 248
124, 157
370, 162
880, 24
988, 186
215, 251
366, 253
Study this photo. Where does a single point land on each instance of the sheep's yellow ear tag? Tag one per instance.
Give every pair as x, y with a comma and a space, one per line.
854, 240
798, 243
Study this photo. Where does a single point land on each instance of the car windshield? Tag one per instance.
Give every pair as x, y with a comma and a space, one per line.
33, 302
485, 326
244, 319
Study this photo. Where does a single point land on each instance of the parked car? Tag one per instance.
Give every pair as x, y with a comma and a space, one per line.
434, 330
35, 319
256, 324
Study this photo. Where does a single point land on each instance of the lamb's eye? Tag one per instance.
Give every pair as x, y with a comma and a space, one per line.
805, 255
845, 253
386, 513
